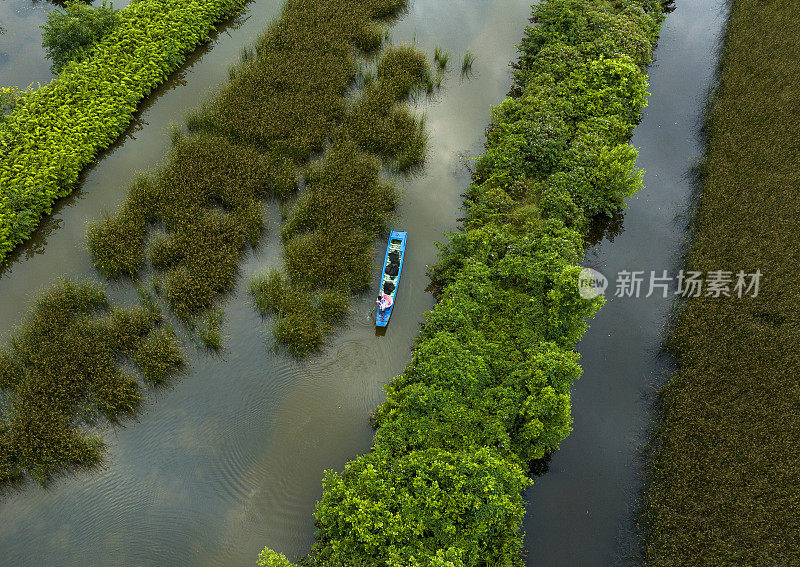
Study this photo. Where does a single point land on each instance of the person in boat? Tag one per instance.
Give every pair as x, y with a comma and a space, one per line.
384, 302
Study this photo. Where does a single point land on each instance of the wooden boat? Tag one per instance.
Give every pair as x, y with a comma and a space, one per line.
392, 267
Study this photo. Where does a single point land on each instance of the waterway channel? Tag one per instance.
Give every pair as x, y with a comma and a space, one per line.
583, 510
229, 458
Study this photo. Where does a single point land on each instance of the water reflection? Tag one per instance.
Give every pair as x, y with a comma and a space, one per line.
606, 228
22, 58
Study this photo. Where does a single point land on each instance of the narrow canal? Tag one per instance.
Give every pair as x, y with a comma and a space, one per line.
582, 512
229, 458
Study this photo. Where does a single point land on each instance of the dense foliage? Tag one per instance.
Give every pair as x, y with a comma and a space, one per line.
62, 370
724, 487
488, 388
53, 132
66, 35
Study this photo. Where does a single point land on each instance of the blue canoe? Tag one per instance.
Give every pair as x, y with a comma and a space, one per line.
395, 251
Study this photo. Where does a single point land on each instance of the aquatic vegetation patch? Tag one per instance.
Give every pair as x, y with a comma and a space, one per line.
62, 371
194, 217
724, 481
208, 329
329, 233
51, 134
207, 202
441, 57
466, 63
328, 236
487, 391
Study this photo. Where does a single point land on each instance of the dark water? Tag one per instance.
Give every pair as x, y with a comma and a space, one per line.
230, 457
582, 511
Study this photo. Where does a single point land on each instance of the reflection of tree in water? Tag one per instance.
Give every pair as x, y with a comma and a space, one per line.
35, 245
604, 227
541, 466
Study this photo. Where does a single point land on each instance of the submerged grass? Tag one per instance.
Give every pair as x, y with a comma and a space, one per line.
724, 485
194, 217
61, 370
287, 100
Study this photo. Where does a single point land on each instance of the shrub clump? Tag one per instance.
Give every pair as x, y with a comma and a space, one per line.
68, 34
430, 507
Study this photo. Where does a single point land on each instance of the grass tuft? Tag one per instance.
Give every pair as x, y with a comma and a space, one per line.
441, 57
209, 329
333, 306
466, 64
299, 332
270, 291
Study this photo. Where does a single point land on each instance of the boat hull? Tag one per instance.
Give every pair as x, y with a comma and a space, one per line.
397, 243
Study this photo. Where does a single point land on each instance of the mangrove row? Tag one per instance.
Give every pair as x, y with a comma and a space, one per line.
487, 391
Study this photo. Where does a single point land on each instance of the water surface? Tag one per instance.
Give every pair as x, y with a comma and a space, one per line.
22, 58
582, 511
230, 457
